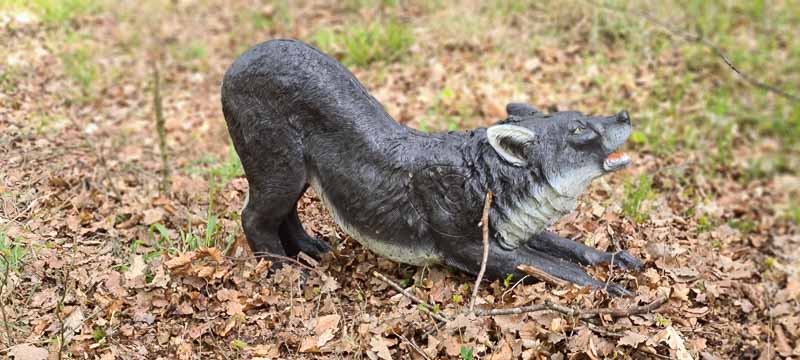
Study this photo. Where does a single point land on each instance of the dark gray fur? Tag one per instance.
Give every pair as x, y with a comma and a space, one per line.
297, 118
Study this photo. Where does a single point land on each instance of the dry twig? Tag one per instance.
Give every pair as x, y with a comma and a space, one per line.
260, 256
413, 345
62, 336
579, 313
162, 132
427, 307
487, 204
9, 334
541, 275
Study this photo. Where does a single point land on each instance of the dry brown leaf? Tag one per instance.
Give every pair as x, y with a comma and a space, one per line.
378, 345
265, 350
185, 351
234, 308
782, 342
179, 263
631, 339
28, 352
327, 323
135, 275
503, 353
309, 345
152, 216
211, 252
676, 343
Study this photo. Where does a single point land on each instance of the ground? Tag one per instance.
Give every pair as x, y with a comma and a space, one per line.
105, 256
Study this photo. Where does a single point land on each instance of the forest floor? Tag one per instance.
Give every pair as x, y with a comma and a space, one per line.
103, 258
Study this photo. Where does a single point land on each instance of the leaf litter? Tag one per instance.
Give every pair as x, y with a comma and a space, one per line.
92, 210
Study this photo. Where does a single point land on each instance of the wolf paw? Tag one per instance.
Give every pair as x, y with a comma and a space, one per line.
626, 261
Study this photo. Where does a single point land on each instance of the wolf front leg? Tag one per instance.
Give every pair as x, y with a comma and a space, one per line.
501, 262
550, 243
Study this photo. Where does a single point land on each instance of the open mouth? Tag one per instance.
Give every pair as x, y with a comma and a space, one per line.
616, 161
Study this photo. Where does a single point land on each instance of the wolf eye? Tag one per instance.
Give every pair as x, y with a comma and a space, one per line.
577, 131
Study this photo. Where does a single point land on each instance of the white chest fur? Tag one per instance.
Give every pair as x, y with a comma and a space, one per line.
531, 214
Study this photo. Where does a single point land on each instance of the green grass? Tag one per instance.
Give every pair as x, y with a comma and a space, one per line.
794, 214
8, 79
466, 352
445, 114
746, 226
635, 194
195, 50
355, 5
218, 174
278, 17
187, 239
704, 223
54, 12
238, 345
80, 68
362, 45
12, 251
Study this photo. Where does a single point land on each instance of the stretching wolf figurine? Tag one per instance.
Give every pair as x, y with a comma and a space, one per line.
297, 117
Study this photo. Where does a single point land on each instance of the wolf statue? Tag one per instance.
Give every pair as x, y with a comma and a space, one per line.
297, 117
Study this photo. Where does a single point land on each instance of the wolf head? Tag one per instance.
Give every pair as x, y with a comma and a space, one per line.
568, 148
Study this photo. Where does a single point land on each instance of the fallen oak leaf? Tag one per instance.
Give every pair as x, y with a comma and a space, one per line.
135, 275
675, 342
210, 252
265, 350
378, 345
324, 330
28, 352
152, 216
179, 263
631, 339
326, 323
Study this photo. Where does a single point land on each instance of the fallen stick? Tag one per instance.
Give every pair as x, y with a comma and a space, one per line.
541, 275
487, 204
547, 305
413, 345
579, 313
427, 307
265, 255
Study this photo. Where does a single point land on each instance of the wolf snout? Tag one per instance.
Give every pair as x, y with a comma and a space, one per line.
623, 117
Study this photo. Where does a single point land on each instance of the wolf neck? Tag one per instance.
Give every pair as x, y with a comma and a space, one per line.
528, 212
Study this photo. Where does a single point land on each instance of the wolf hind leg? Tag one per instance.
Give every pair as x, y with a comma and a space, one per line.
295, 238
273, 163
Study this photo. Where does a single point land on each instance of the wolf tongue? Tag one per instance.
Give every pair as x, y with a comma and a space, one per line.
615, 155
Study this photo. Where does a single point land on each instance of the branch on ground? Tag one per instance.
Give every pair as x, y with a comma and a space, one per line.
581, 314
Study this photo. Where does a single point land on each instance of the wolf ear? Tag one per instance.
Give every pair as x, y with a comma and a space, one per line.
510, 141
520, 109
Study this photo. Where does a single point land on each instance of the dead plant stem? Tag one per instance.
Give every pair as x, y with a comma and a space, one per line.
3, 284
162, 131
487, 204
